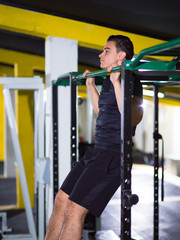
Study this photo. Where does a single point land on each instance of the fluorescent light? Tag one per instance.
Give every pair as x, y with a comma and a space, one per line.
151, 93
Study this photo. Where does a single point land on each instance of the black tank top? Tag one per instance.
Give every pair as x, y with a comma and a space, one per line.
108, 121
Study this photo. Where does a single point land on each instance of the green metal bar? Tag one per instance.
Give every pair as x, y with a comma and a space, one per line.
98, 73
63, 80
155, 50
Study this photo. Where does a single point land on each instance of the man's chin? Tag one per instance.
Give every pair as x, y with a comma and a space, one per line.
102, 67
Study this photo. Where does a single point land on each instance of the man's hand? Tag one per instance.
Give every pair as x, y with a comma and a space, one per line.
115, 76
89, 81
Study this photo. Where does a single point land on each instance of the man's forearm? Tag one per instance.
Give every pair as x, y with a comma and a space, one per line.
117, 90
94, 97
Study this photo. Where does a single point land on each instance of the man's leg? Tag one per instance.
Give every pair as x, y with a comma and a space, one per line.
73, 222
57, 217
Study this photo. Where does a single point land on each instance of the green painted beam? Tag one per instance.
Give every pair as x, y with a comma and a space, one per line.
171, 48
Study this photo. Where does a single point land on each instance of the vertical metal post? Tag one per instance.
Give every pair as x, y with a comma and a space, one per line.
55, 140
156, 165
39, 143
17, 151
73, 120
126, 152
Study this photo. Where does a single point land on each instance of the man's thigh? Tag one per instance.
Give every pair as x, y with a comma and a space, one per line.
98, 181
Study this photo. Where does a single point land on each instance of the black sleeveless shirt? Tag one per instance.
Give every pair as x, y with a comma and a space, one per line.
109, 118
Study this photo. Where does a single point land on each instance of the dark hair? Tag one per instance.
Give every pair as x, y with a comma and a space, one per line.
124, 44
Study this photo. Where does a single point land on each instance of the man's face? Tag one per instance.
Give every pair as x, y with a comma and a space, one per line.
109, 56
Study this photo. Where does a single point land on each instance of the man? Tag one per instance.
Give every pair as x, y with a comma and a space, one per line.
95, 178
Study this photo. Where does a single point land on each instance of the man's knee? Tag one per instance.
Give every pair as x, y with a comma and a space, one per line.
60, 200
75, 212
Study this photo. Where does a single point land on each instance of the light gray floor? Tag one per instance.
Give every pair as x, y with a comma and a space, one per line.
142, 213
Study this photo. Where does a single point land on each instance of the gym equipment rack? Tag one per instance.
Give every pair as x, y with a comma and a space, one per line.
155, 73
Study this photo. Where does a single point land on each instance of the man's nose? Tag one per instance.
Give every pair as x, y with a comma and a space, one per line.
100, 55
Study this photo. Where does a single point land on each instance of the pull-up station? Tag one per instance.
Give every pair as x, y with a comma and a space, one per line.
155, 73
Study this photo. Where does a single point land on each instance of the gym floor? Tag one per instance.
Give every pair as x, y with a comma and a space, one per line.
142, 213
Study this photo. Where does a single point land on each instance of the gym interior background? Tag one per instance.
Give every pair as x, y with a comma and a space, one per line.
27, 33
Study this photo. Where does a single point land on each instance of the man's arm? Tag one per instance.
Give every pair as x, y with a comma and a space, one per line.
93, 93
137, 109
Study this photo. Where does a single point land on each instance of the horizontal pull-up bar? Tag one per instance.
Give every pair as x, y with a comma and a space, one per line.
98, 73
79, 76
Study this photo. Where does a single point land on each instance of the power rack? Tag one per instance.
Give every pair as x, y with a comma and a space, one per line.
154, 73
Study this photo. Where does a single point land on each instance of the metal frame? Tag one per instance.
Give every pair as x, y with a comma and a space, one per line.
156, 164
127, 198
148, 72
71, 145
74, 132
38, 87
55, 141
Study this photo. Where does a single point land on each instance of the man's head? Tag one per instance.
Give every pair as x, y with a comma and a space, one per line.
117, 49
124, 44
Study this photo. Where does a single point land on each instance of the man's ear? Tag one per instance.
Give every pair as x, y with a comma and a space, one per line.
121, 55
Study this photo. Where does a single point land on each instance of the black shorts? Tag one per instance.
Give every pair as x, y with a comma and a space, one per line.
94, 179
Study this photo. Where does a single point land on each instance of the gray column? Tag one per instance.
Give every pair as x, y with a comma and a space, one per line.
61, 56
